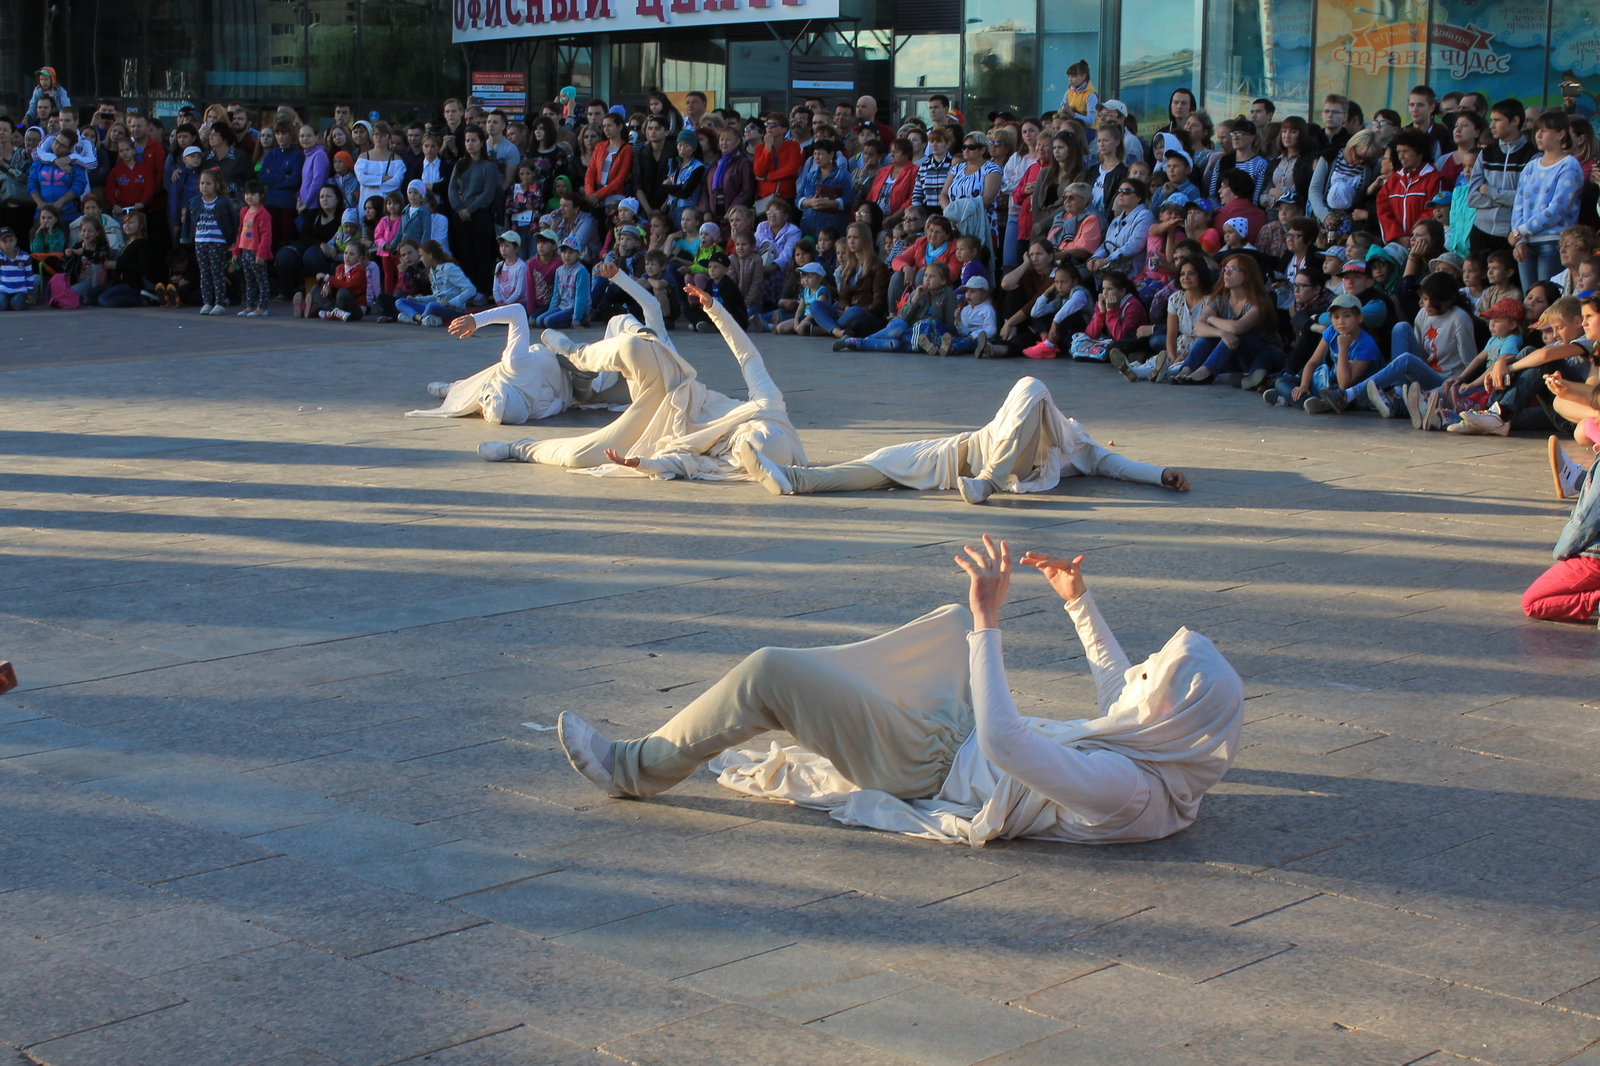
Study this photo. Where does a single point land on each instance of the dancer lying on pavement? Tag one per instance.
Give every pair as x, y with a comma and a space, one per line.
1029, 446
915, 731
675, 427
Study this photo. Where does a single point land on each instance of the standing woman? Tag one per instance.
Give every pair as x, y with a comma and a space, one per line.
474, 191
280, 174
824, 190
379, 170
1201, 130
314, 164
1291, 171
731, 182
892, 188
975, 178
1467, 132
933, 171
335, 139
589, 139
549, 158
226, 159
360, 137
610, 164
1239, 327
1547, 200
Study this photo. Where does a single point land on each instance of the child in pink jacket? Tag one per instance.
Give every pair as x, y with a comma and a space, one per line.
252, 250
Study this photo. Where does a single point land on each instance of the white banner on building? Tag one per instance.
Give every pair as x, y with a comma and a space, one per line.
488, 20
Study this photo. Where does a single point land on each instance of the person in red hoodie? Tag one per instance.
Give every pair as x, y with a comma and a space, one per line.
777, 162
342, 295
131, 185
1403, 198
937, 244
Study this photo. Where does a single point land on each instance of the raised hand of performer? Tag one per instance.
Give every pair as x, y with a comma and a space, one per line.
698, 297
607, 270
1064, 576
1170, 479
990, 571
463, 326
629, 461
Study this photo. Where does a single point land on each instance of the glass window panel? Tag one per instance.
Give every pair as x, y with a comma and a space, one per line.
1511, 63
1069, 30
1239, 69
927, 61
1001, 58
695, 63
1371, 59
759, 68
634, 67
406, 51
1159, 54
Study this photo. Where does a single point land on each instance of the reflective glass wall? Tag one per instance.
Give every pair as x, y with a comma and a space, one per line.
1001, 57
1160, 42
1256, 48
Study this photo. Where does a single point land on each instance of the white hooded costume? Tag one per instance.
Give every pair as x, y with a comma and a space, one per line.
1169, 731
675, 425
527, 383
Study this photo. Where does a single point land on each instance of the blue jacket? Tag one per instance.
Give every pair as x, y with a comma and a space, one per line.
280, 175
450, 285
51, 182
227, 220
1581, 534
183, 185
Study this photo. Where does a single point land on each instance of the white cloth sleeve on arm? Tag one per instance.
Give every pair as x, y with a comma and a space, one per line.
1094, 785
515, 316
758, 383
1113, 465
647, 303
1107, 661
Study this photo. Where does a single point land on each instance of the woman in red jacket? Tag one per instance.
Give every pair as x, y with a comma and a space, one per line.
1403, 199
777, 162
611, 165
131, 184
891, 189
937, 244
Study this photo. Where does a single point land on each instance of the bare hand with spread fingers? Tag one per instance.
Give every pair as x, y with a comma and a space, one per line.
990, 571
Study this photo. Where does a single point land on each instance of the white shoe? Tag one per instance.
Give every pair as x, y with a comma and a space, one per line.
974, 489
1487, 422
557, 342
439, 389
1568, 475
587, 751
208, 308
432, 320
404, 319
220, 309
1463, 427
246, 313
1432, 416
494, 451
1411, 396
763, 471
1379, 399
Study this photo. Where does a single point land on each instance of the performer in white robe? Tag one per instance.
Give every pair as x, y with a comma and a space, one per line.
675, 426
915, 731
527, 383
1029, 446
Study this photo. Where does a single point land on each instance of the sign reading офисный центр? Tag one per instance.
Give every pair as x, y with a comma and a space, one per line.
487, 20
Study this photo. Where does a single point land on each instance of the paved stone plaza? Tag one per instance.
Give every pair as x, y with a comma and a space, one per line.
267, 796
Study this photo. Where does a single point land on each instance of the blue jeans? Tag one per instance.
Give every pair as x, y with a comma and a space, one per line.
1009, 247
1322, 377
13, 301
1220, 358
418, 309
1406, 367
824, 314
554, 318
1544, 261
894, 337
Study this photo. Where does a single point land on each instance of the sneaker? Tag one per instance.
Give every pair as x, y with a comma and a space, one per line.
208, 308
1568, 475
298, 305
1335, 398
1316, 405
1487, 422
324, 315
1380, 399
980, 347
494, 451
1411, 397
842, 345
1120, 361
1462, 426
704, 327
404, 320
945, 343
763, 471
1159, 370
248, 312
342, 316
432, 320
587, 751
557, 342
1042, 350
439, 389
1252, 381
926, 345
1432, 417
974, 490
1275, 398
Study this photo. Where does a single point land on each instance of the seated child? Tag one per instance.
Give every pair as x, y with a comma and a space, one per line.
976, 326
1344, 357
927, 314
722, 288
812, 279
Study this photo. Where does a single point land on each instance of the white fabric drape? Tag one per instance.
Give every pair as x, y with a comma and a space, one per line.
527, 383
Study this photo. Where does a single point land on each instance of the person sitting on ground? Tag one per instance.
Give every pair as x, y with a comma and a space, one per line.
1518, 395
1579, 403
1029, 446
923, 320
915, 731
1436, 348
449, 290
342, 295
1344, 358
1570, 590
1238, 328
724, 290
976, 325
1177, 336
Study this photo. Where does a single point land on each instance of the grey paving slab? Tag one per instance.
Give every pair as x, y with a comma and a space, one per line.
70, 998
182, 1033
938, 1025
257, 612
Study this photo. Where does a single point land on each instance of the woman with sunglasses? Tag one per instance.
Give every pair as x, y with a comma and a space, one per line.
1123, 247
971, 191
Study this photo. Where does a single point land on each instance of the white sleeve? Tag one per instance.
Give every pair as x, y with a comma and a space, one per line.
518, 336
1124, 469
1107, 661
759, 384
1095, 785
647, 303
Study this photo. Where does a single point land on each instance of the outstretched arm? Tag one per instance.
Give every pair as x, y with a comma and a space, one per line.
1096, 786
1107, 661
758, 383
641, 296
514, 316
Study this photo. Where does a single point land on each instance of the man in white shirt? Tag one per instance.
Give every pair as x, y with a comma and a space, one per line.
694, 109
